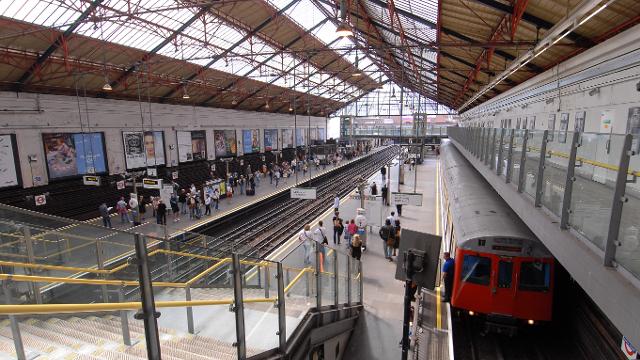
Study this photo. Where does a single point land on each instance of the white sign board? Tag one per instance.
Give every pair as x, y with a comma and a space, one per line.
165, 193
628, 349
152, 183
366, 197
40, 200
120, 185
303, 193
8, 171
152, 172
406, 199
91, 180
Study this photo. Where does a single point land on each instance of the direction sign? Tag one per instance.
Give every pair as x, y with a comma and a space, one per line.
91, 180
152, 183
303, 193
407, 199
366, 197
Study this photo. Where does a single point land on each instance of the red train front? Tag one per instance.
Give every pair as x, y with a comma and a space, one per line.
502, 271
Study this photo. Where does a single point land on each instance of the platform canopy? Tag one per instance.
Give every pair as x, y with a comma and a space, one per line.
286, 55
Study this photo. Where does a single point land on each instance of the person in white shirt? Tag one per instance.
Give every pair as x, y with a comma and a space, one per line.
320, 234
306, 238
336, 203
392, 217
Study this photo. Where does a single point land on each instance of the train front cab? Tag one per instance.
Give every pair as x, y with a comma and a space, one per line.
509, 291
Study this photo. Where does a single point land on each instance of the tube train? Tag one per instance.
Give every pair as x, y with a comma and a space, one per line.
502, 271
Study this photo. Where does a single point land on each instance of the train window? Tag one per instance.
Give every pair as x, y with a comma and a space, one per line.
534, 276
476, 269
505, 269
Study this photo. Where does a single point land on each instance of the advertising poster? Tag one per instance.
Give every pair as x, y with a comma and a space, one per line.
192, 145
199, 145
564, 125
580, 118
143, 149
633, 128
225, 143
551, 126
313, 134
73, 154
300, 137
251, 141
321, 134
8, 162
287, 138
270, 139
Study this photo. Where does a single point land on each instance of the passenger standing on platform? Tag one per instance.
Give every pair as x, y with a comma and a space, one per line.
256, 178
352, 229
338, 227
207, 205
271, 174
104, 212
241, 182
142, 207
154, 203
399, 208
252, 184
392, 218
374, 189
182, 199
383, 172
306, 238
387, 233
121, 208
193, 189
175, 209
192, 206
356, 247
161, 213
336, 203
216, 197
447, 275
396, 241
385, 194
276, 175
133, 205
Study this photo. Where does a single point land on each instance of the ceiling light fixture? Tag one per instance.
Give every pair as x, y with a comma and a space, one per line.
266, 106
343, 30
185, 94
234, 101
107, 86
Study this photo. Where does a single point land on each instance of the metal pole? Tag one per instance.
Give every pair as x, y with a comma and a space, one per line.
619, 198
318, 276
295, 134
187, 295
540, 177
282, 316
482, 131
361, 282
267, 281
400, 175
510, 156
499, 164
238, 308
99, 259
335, 279
523, 160
405, 323
148, 314
349, 280
28, 241
124, 319
15, 327
568, 185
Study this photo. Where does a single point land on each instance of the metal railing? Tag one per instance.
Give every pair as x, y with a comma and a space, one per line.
395, 131
587, 180
67, 267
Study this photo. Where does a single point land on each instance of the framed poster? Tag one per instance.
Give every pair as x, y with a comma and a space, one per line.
564, 125
633, 128
287, 138
143, 149
580, 118
250, 141
9, 162
313, 134
192, 145
225, 143
551, 126
74, 154
270, 139
321, 134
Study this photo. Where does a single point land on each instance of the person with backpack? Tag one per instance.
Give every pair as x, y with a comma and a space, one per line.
387, 233
161, 213
321, 238
385, 194
396, 242
216, 197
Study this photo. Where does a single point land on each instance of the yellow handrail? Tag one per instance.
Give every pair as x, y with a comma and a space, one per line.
585, 160
207, 271
295, 279
67, 280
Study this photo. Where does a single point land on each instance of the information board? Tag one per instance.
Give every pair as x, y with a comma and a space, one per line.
303, 193
406, 199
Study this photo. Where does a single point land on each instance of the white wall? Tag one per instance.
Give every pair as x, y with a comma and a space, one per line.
29, 115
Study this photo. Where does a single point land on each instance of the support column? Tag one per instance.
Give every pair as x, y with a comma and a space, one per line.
510, 157
124, 319
15, 327
148, 312
282, 316
523, 161
28, 241
499, 165
318, 276
568, 185
238, 308
540, 177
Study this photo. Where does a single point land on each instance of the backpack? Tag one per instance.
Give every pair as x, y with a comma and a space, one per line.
357, 242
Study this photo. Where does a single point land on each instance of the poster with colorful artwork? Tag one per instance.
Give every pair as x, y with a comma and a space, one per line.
74, 154
192, 145
301, 137
9, 174
270, 139
250, 141
143, 149
287, 138
225, 143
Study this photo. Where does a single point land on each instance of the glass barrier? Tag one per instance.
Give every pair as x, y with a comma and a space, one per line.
628, 253
534, 145
555, 170
327, 275
342, 277
516, 156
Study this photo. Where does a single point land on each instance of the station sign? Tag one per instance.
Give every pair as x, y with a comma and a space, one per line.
629, 351
366, 197
303, 193
406, 198
91, 180
40, 200
152, 183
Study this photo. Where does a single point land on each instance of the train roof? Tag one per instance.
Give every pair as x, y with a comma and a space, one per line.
478, 212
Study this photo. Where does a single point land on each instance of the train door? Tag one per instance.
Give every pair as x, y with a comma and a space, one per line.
503, 287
